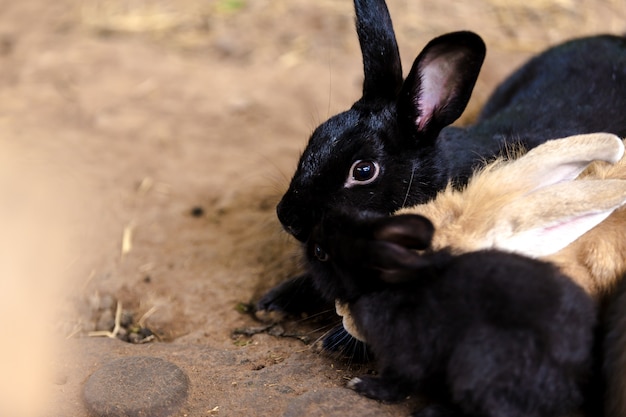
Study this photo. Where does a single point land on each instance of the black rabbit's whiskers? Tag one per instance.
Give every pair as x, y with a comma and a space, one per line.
408, 189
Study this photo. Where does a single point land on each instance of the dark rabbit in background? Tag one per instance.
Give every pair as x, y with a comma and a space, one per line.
395, 147
484, 333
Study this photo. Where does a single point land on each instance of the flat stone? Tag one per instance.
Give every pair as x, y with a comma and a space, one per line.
136, 386
342, 402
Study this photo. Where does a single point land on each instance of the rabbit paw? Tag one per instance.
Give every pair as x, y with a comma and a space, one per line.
437, 410
377, 389
290, 298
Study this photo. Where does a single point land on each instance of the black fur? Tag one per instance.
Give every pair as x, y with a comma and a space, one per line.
402, 126
484, 334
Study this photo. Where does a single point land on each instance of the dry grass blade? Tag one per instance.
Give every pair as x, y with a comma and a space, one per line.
116, 328
127, 239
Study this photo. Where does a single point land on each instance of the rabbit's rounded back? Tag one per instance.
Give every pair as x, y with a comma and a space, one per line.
575, 87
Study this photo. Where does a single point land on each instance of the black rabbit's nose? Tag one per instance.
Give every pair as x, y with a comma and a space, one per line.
299, 233
292, 230
294, 222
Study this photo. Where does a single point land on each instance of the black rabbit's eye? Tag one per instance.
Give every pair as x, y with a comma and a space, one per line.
362, 172
320, 253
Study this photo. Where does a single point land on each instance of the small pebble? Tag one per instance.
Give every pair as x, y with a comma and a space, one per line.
136, 386
127, 318
197, 211
122, 334
134, 338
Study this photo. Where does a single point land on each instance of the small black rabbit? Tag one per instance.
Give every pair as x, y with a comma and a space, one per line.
483, 333
394, 147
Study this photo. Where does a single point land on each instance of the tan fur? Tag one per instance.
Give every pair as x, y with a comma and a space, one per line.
597, 260
604, 249
343, 310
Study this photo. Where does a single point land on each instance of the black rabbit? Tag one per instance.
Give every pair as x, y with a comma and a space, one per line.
394, 147
483, 333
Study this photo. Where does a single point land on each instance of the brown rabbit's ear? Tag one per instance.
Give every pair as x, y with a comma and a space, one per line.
554, 210
547, 220
559, 160
514, 204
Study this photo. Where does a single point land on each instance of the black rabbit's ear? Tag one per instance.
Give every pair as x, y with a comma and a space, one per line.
409, 230
381, 59
396, 263
440, 83
392, 251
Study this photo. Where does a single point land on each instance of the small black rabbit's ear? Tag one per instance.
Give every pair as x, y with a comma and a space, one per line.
440, 83
392, 251
381, 59
395, 263
410, 230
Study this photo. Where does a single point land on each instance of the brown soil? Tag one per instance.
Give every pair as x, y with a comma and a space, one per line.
144, 145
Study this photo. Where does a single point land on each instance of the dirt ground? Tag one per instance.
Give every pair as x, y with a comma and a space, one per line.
143, 147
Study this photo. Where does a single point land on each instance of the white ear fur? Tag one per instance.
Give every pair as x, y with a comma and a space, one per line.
563, 159
435, 87
545, 221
